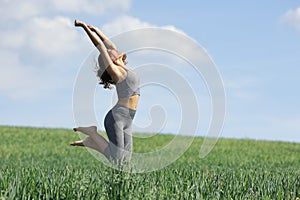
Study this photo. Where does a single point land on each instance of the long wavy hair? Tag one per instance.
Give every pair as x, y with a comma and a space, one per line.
101, 72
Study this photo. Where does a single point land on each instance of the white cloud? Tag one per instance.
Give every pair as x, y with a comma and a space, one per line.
20, 10
11, 39
95, 7
292, 18
23, 10
18, 81
242, 87
43, 37
34, 56
127, 23
241, 82
51, 37
123, 24
35, 46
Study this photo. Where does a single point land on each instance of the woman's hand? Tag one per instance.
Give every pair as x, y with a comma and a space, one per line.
91, 27
78, 23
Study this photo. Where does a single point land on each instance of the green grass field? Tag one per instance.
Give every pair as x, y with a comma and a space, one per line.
40, 164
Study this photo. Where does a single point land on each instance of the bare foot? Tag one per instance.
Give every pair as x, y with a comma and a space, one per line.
77, 143
86, 130
78, 22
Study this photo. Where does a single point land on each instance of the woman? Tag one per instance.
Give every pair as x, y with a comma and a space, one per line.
118, 121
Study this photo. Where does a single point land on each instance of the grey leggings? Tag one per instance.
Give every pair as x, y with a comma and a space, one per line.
118, 126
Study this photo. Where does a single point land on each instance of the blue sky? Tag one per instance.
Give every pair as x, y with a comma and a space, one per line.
254, 44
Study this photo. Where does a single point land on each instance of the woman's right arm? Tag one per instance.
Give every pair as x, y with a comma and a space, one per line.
107, 42
113, 70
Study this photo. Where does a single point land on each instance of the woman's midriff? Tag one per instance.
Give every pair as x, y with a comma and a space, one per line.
130, 102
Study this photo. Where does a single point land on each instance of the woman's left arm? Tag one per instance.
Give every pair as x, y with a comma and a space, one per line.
107, 42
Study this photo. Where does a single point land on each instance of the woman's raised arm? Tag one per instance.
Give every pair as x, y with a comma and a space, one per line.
107, 42
97, 42
113, 70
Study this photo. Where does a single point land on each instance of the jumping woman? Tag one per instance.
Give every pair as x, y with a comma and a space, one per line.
112, 70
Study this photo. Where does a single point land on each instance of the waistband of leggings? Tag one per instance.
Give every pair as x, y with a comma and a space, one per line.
131, 111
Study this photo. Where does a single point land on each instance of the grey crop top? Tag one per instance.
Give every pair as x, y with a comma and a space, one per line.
129, 86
